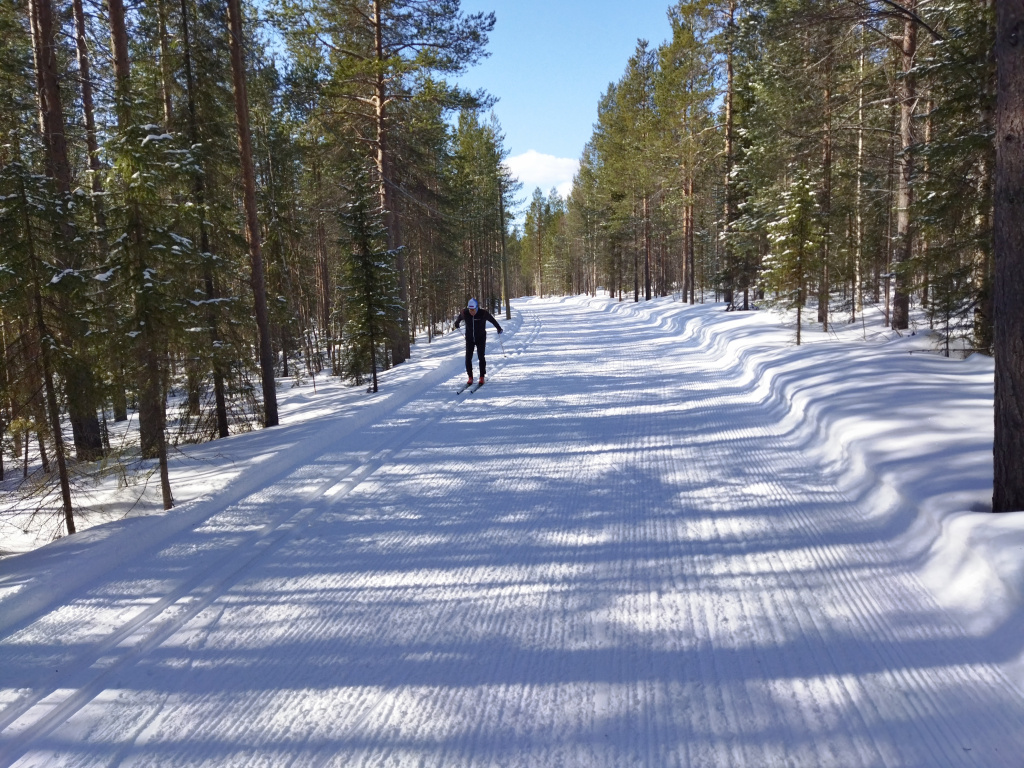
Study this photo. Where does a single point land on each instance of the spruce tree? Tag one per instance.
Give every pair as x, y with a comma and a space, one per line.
369, 284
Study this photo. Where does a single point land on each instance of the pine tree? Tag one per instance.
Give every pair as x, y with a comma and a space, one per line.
685, 93
378, 51
253, 235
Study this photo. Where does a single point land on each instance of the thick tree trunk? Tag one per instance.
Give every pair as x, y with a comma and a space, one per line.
88, 114
99, 212
122, 62
1008, 289
51, 110
252, 231
904, 246
82, 396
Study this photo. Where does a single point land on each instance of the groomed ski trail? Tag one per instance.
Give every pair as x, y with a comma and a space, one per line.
621, 552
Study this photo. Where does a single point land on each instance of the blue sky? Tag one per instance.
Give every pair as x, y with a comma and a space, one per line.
551, 61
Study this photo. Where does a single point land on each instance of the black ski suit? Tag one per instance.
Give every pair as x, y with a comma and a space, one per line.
476, 335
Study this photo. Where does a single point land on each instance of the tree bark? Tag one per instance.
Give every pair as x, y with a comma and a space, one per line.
199, 195
824, 288
904, 245
166, 78
858, 258
730, 205
1008, 446
504, 259
82, 396
122, 62
152, 402
99, 212
252, 231
400, 348
647, 248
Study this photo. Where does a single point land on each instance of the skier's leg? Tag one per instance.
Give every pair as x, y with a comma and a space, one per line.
480, 346
469, 356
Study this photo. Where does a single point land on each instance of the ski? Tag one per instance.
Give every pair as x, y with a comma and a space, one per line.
474, 388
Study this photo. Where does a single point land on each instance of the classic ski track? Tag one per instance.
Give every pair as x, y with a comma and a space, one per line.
900, 672
682, 567
144, 631
429, 701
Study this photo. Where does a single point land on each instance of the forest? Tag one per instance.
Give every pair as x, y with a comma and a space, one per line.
815, 156
200, 198
203, 199
811, 155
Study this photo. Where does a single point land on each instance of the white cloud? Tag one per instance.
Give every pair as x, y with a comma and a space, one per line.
535, 169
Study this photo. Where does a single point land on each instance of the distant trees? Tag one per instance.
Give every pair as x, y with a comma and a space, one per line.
380, 57
825, 155
643, 202
156, 158
886, 109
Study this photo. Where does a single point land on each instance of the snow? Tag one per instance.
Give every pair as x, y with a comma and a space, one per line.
157, 137
661, 535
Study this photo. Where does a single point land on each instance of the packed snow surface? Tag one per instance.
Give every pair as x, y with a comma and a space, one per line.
660, 535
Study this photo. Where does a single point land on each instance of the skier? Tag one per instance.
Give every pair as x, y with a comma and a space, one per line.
476, 336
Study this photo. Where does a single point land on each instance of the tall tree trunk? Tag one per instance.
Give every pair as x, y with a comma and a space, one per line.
824, 289
636, 258
504, 259
122, 62
730, 205
99, 212
252, 230
1008, 447
858, 257
903, 248
647, 248
691, 254
400, 344
77, 372
166, 78
686, 247
983, 317
88, 114
152, 403
199, 196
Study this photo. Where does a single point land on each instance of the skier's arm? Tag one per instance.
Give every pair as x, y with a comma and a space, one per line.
458, 320
494, 322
